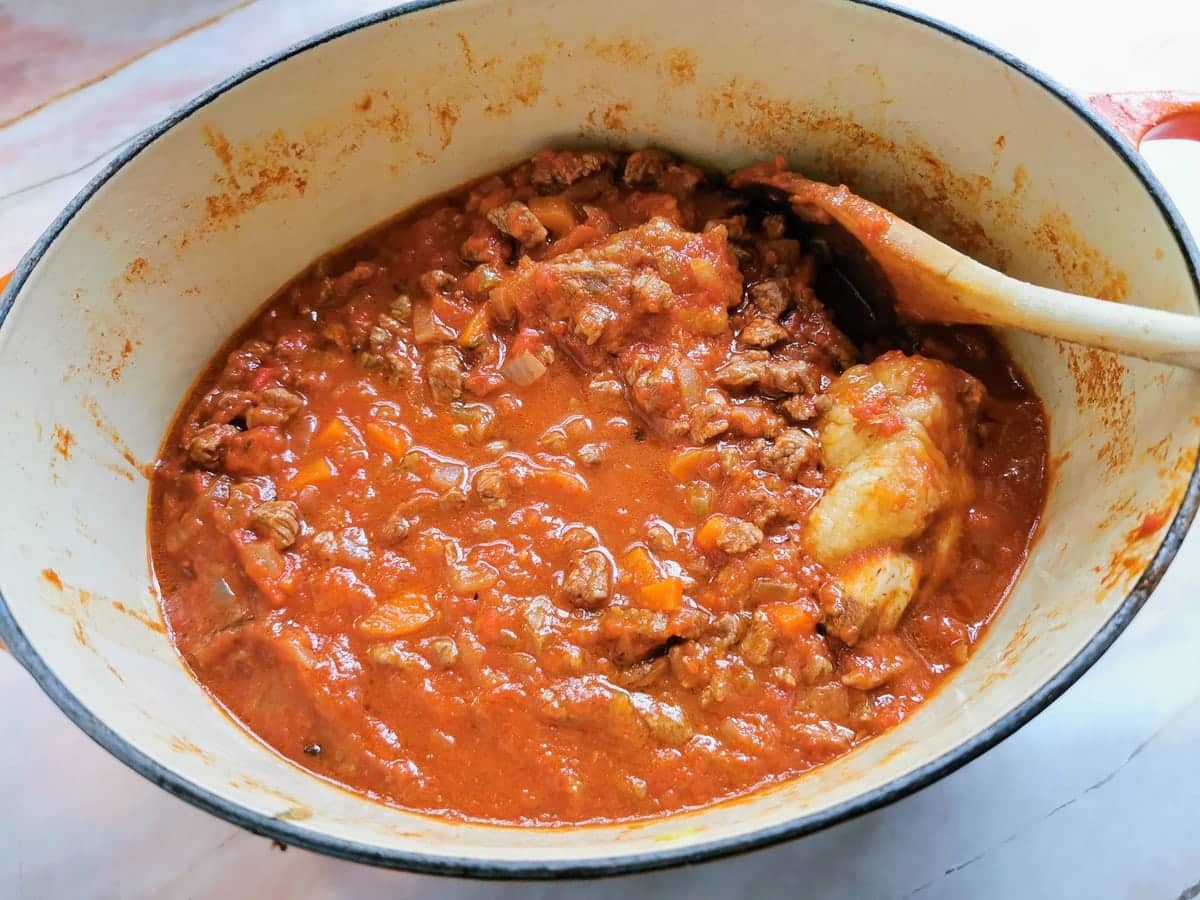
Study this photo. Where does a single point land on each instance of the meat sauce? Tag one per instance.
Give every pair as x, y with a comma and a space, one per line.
562, 498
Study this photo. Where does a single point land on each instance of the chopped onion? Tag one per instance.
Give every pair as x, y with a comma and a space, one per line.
468, 578
426, 327
220, 591
523, 369
691, 388
446, 475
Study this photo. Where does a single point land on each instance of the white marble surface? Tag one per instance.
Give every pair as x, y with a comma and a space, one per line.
1097, 797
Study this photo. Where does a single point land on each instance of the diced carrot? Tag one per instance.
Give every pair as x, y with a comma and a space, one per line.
791, 618
398, 617
557, 213
334, 433
315, 471
571, 484
389, 438
710, 532
663, 596
639, 565
477, 329
687, 464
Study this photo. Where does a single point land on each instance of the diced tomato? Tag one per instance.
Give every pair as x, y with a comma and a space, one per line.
483, 381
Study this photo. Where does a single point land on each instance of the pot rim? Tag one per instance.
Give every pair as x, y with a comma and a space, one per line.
619, 864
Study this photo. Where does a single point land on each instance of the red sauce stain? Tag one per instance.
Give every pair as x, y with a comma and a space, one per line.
680, 65
443, 116
253, 175
1152, 523
4, 280
81, 635
1020, 178
64, 440
53, 578
182, 745
468, 58
219, 144
106, 428
1131, 557
1001, 142
1160, 451
364, 103
118, 367
1099, 378
1158, 253
136, 271
942, 202
614, 116
1083, 267
151, 623
622, 52
519, 82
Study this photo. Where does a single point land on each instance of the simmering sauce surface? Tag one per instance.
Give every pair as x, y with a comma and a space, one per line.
562, 498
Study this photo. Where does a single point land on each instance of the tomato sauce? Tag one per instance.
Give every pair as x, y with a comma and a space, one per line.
562, 498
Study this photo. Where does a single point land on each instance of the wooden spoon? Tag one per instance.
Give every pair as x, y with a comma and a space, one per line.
932, 282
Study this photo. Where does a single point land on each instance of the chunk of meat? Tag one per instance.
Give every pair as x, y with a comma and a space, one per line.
273, 406
762, 332
587, 583
770, 297
667, 723
636, 634
800, 408
792, 451
710, 418
743, 370
517, 220
446, 374
590, 320
492, 487
896, 441
278, 521
739, 536
869, 594
692, 279
876, 662
656, 168
790, 376
558, 169
759, 640
208, 445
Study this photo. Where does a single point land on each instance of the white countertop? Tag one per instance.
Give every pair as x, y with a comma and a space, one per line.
1098, 797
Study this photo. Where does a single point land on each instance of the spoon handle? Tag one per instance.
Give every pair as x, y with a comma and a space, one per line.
1153, 334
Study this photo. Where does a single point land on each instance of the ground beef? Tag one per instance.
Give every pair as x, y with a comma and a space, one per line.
587, 584
770, 297
208, 445
792, 451
445, 372
743, 370
278, 521
517, 220
762, 332
739, 536
553, 170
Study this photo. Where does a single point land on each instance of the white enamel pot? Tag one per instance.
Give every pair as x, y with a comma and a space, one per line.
119, 305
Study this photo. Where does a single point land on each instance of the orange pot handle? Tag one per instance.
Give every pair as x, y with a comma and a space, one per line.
1153, 115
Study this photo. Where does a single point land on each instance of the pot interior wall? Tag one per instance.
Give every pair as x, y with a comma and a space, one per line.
190, 236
